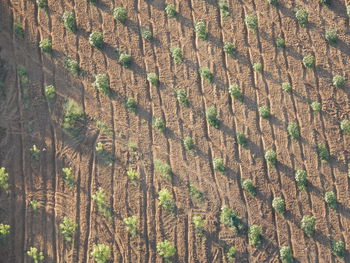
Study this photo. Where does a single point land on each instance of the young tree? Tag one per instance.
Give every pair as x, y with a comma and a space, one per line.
229, 218
338, 81
18, 29
338, 248
309, 61
50, 92
345, 126
271, 157
163, 169
293, 130
242, 140
68, 176
331, 200
4, 180
230, 49
235, 91
182, 97
34, 152
248, 186
35, 254
131, 105
159, 124
125, 60
264, 111
198, 223
188, 143
251, 21
286, 254
165, 200
331, 36
308, 224
35, 205
206, 74
301, 179
72, 66
146, 34
101, 200
279, 205
166, 249
120, 14
257, 67
4, 232
69, 22
133, 175
201, 31
231, 254
286, 87
101, 253
152, 78
131, 225
316, 106
280, 42
224, 10
102, 83
176, 54
211, 117
67, 228
96, 40
42, 4
255, 235
219, 165
302, 16
322, 152
46, 45
170, 11
196, 193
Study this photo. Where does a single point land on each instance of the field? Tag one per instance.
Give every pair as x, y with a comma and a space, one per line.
96, 131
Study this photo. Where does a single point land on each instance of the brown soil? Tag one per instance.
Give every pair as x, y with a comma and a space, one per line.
27, 118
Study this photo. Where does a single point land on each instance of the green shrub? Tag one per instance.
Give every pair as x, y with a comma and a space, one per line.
230, 219
201, 30
338, 81
254, 235
198, 223
219, 165
68, 176
271, 157
165, 200
316, 106
286, 87
4, 180
309, 61
196, 193
46, 45
104, 129
35, 206
308, 224
293, 130
131, 225
133, 176
302, 16
41, 3
223, 6
230, 49
120, 14
131, 105
67, 228
96, 40
72, 66
125, 60
211, 117
99, 147
331, 36
272, 2
159, 124
264, 111
152, 78
176, 54
188, 144
322, 152
182, 97
101, 200
331, 200
35, 254
166, 249
251, 21
73, 117
101, 253
325, 2
301, 179
146, 34
163, 169
34, 152
18, 29
348, 10
338, 248
235, 91
102, 83
345, 126
286, 254
69, 21
231, 254
50, 92
279, 205
280, 42
4, 232
248, 186
170, 11
257, 67
206, 74
242, 139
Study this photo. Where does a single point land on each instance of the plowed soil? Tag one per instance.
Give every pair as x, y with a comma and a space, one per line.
27, 118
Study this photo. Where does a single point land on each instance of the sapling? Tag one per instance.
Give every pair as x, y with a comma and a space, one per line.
301, 179
35, 254
338, 81
152, 78
293, 130
165, 200
271, 157
131, 225
248, 186
72, 66
264, 111
133, 175
201, 31
50, 92
96, 40
331, 199
196, 193
159, 125
120, 14
316, 106
102, 83
34, 152
280, 42
176, 54
255, 235
309, 61
229, 218
206, 74
211, 115
331, 36
4, 232
302, 16
235, 91
166, 249
251, 21
68, 176
279, 205
223, 6
4, 180
242, 139
131, 105
170, 11
286, 254
67, 228
345, 126
219, 165
322, 152
182, 97
188, 143
257, 67
231, 254
163, 169
101, 253
198, 223
125, 60
146, 34
230, 49
308, 224
46, 45
18, 29
286, 87
41, 3
69, 21
338, 248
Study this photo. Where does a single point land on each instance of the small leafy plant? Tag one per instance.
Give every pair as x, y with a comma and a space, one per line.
159, 125
325, 2
18, 29
248, 186
68, 176
230, 49
272, 2
264, 111
196, 193
152, 78
201, 30
101, 199
133, 176
96, 40
257, 67
309, 61
125, 60
50, 92
198, 223
223, 6
242, 139
316, 106
34, 152
166, 249
345, 126
229, 218
231, 254
188, 143
286, 87
163, 169
301, 179
41, 3
102, 83
219, 165
131, 225
4, 232
338, 248
166, 200
286, 254
331, 36
101, 253
72, 66
211, 117
302, 16
35, 254
271, 157
308, 224
279, 205
170, 10
182, 97
46, 45
331, 200
293, 130
280, 42
206, 74
235, 91
73, 118
251, 21
146, 34
255, 235
131, 105
176, 54
67, 228
4, 180
323, 152
338, 81
35, 205
120, 14
69, 22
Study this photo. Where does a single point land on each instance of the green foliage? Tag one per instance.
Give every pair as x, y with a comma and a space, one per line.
133, 175
316, 106
182, 97
166, 249
131, 225
50, 92
235, 91
286, 254
131, 105
152, 78
264, 111
104, 128
325, 2
46, 45
229, 218
4, 180
219, 165
331, 200
18, 29
101, 199
255, 235
345, 126
280, 42
257, 67
251, 21
99, 147
223, 6
4, 231
301, 179
230, 49
242, 139
163, 169
279, 205
199, 223
73, 117
96, 40
176, 54
308, 224
331, 36
101, 253
231, 254
72, 66
125, 60
338, 81
293, 130
348, 10
188, 144
159, 124
248, 186
41, 3
201, 30
272, 2
271, 157
35, 254
68, 176
34, 152
35, 205
166, 200
211, 117
102, 83
309, 61
196, 193
120, 14
146, 34
69, 21
206, 74
67, 228
23, 75
170, 11
323, 152
338, 248
286, 87
302, 16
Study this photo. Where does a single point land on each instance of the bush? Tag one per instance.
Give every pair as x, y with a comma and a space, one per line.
182, 97
69, 21
41, 3
4, 180
231, 254
166, 249
308, 224
188, 144
235, 91
131, 105
101, 199
73, 117
206, 74
176, 54
35, 254
4, 231
165, 200
325, 2
331, 36
120, 14
301, 179
348, 10
309, 61
102, 83
152, 78
223, 6
35, 206
96, 40
34, 152
264, 111
242, 139
125, 60
18, 29
279, 205
293, 130
170, 11
46, 45
67, 228
131, 225
199, 223
68, 176
230, 49
271, 157
72, 66
201, 31
316, 106
211, 117
322, 152
219, 165
331, 200
286, 87
280, 42
163, 169
257, 67
338, 81
272, 2
230, 219
302, 16
101, 253
50, 92
345, 126
251, 21
254, 235
248, 186
338, 248
196, 193
146, 34
133, 175
159, 125
286, 254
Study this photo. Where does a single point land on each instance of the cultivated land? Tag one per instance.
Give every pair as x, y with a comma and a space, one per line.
84, 125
